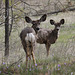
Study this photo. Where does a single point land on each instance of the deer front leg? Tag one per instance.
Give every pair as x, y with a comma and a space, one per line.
47, 48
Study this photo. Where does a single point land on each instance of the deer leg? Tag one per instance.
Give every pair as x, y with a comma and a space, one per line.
30, 61
26, 56
33, 58
26, 61
47, 48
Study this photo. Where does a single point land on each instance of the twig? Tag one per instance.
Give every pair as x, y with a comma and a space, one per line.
2, 23
17, 62
29, 4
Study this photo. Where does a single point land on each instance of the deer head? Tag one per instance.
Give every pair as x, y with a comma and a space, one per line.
58, 24
36, 23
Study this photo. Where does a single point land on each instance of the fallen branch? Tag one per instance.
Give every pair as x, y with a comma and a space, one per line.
56, 12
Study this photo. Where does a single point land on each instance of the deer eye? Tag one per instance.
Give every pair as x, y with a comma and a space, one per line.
33, 23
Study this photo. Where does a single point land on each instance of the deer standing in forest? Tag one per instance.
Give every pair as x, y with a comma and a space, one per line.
47, 36
28, 38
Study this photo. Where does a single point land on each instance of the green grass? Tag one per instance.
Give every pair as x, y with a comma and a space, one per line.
64, 38
66, 33
60, 68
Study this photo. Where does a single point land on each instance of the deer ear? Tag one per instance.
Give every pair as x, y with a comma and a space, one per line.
62, 21
43, 18
52, 22
28, 20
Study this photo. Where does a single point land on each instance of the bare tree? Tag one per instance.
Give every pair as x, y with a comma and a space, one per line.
6, 27
11, 19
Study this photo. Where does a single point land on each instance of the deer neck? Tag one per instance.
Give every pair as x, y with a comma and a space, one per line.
35, 29
55, 32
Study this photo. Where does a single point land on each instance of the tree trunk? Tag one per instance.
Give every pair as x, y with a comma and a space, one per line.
6, 27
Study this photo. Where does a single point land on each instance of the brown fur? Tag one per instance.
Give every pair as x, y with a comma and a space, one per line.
48, 37
29, 47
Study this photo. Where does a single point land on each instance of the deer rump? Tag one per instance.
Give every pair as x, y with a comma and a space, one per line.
28, 38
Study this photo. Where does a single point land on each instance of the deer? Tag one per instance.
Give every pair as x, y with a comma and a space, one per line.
47, 36
28, 38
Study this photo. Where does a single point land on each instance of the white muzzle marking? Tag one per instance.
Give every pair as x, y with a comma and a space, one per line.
58, 28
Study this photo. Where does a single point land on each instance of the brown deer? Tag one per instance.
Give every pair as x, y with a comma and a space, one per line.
28, 38
48, 37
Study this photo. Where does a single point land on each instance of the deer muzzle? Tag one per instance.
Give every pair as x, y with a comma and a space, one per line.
58, 28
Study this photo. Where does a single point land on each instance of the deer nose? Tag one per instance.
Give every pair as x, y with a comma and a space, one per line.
37, 28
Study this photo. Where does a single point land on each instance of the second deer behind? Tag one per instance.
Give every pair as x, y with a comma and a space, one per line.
47, 36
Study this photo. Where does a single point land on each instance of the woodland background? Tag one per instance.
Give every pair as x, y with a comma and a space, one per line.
64, 48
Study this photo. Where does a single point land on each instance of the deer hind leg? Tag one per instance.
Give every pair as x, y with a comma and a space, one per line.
28, 58
32, 53
47, 48
29, 61
34, 61
25, 49
26, 61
